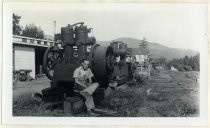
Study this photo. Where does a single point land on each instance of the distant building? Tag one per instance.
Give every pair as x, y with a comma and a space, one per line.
160, 67
173, 68
28, 53
142, 59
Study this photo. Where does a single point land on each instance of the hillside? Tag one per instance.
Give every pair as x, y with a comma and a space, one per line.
156, 50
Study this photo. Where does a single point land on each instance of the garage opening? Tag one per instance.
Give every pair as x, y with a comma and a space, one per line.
39, 54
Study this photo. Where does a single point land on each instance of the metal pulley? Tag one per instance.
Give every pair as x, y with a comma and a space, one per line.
102, 61
50, 59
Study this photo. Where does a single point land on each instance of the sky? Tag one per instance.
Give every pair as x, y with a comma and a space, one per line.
173, 25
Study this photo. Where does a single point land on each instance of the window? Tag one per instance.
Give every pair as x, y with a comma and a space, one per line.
24, 40
31, 41
38, 41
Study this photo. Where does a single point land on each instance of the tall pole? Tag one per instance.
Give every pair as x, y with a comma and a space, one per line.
54, 29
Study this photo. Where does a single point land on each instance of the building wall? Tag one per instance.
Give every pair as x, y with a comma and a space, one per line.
141, 58
24, 58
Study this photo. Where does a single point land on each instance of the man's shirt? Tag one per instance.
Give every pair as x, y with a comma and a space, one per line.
83, 75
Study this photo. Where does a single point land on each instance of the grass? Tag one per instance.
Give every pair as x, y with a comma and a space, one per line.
23, 103
26, 105
125, 101
165, 100
177, 108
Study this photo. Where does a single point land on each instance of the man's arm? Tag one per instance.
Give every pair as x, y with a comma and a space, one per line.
90, 76
90, 80
79, 83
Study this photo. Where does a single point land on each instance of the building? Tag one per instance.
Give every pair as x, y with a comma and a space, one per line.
141, 55
28, 53
173, 68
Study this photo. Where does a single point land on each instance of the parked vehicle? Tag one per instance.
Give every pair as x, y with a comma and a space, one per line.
22, 75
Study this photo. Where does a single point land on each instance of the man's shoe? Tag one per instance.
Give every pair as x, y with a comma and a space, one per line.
92, 114
104, 111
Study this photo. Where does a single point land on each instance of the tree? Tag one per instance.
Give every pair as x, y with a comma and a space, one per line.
16, 27
186, 64
186, 60
195, 62
33, 31
162, 60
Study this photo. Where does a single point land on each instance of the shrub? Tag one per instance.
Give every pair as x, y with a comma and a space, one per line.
184, 68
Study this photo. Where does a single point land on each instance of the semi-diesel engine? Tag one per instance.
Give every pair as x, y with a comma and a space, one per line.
108, 63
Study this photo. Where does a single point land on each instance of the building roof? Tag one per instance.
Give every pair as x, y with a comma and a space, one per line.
23, 40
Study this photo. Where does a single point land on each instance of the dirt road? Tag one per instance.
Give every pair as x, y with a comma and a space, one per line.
20, 88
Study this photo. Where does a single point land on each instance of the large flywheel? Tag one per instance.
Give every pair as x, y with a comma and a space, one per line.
51, 57
102, 61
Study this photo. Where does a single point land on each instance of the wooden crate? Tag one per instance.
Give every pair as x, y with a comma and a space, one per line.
73, 105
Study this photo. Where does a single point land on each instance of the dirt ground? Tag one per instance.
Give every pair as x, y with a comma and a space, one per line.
20, 88
166, 94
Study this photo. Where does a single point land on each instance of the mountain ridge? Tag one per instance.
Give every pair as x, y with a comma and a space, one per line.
156, 50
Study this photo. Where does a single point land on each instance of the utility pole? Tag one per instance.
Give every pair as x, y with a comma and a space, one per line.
54, 29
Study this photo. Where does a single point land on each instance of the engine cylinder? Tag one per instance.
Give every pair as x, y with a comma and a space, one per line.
119, 48
67, 35
81, 34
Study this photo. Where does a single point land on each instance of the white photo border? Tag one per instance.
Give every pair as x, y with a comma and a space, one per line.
7, 118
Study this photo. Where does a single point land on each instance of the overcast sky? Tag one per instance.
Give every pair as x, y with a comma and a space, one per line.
173, 25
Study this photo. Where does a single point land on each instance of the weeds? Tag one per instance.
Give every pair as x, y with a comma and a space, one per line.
125, 102
167, 99
26, 105
177, 108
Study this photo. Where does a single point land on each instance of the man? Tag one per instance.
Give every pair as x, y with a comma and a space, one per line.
84, 84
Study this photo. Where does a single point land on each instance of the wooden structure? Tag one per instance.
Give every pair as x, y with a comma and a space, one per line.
141, 55
28, 53
73, 105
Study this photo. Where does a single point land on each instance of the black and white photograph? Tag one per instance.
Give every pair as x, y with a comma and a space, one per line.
106, 62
